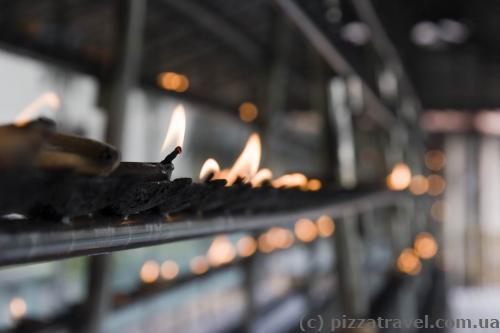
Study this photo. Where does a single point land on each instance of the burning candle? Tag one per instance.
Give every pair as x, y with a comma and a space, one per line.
174, 140
246, 170
247, 164
21, 141
151, 182
34, 109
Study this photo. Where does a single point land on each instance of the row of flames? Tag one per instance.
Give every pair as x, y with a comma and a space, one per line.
425, 247
222, 251
246, 167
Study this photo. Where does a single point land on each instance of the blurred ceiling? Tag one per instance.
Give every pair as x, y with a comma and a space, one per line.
228, 50
450, 48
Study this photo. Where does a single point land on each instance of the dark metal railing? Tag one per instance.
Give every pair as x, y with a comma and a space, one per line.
29, 241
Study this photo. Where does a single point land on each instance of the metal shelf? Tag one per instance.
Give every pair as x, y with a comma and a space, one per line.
26, 241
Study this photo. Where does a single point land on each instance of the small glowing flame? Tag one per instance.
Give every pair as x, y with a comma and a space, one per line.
176, 130
305, 230
280, 238
291, 180
33, 110
438, 210
314, 185
435, 160
419, 185
246, 246
223, 174
261, 176
325, 225
169, 270
399, 178
247, 164
150, 271
425, 246
173, 81
18, 307
437, 185
199, 265
221, 251
408, 262
210, 167
263, 243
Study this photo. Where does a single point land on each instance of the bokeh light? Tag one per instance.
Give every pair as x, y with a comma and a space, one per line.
173, 81
150, 271
246, 246
221, 251
419, 185
314, 185
199, 265
435, 160
399, 178
18, 308
437, 185
425, 245
248, 112
408, 262
438, 210
326, 226
306, 230
169, 270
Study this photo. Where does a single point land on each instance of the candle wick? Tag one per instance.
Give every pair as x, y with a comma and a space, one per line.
170, 157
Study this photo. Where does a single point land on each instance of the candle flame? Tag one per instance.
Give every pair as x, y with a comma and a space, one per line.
223, 174
176, 130
290, 180
221, 251
399, 178
247, 164
425, 245
210, 167
246, 168
261, 176
34, 109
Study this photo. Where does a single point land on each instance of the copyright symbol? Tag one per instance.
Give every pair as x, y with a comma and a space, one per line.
314, 323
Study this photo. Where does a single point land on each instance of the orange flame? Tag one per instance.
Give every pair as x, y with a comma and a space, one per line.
247, 164
290, 180
223, 174
176, 130
246, 167
408, 262
246, 246
280, 238
221, 251
33, 110
18, 307
261, 176
209, 167
399, 178
425, 245
305, 230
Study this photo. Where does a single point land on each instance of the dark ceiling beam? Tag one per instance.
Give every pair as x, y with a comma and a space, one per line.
335, 59
385, 47
63, 60
213, 22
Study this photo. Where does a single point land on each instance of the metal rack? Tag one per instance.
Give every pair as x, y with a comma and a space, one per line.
27, 241
60, 241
